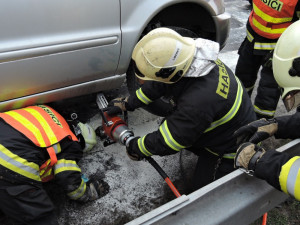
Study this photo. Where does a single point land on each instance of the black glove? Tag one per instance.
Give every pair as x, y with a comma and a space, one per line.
133, 150
117, 106
256, 131
295, 69
247, 156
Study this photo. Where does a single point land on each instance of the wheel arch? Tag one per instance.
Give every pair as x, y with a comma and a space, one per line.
203, 21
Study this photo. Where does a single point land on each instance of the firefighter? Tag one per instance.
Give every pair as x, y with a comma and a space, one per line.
209, 102
277, 168
37, 145
266, 22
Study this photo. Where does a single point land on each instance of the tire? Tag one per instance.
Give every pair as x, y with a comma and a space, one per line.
161, 107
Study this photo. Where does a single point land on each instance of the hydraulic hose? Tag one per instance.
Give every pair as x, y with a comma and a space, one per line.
164, 176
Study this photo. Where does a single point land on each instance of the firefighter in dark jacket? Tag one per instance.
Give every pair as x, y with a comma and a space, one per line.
267, 21
37, 145
277, 168
209, 102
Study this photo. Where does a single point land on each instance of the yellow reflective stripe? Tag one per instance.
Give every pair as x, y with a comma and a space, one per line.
57, 148
234, 109
249, 36
267, 29
226, 156
44, 123
46, 174
142, 97
264, 46
19, 165
42, 171
268, 18
76, 194
65, 165
32, 128
229, 155
285, 177
264, 112
169, 140
289, 177
142, 147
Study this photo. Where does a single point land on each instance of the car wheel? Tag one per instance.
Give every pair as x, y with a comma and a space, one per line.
161, 107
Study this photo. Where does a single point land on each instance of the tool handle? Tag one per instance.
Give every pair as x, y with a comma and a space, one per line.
163, 175
104, 117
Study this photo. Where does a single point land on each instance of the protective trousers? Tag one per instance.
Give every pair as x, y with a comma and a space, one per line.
26, 204
209, 168
268, 92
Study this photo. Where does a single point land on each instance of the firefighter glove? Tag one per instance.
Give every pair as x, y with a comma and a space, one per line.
117, 106
133, 151
247, 156
295, 69
96, 189
256, 131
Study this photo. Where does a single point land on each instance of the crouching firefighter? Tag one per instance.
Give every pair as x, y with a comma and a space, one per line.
37, 145
209, 102
279, 169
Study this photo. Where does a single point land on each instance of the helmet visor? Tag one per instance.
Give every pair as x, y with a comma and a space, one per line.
292, 100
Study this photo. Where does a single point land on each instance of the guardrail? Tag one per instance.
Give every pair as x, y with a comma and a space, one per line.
234, 199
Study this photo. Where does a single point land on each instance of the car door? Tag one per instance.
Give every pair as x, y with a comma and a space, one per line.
46, 45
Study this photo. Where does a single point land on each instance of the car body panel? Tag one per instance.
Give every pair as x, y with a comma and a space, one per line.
214, 8
50, 48
62, 46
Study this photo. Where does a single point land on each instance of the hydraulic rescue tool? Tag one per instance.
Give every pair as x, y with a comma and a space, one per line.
114, 129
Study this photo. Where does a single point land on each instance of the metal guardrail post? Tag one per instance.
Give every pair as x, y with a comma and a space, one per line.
235, 199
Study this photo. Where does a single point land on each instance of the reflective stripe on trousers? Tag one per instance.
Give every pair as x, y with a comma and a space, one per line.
225, 156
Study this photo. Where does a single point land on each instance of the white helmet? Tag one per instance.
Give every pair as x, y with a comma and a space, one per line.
86, 136
163, 55
287, 49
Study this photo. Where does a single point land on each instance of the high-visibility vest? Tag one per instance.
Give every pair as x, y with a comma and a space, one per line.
269, 18
44, 127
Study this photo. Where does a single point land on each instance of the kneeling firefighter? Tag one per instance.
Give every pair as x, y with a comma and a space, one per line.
279, 169
209, 102
37, 145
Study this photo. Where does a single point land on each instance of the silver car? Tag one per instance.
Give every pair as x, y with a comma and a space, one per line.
52, 50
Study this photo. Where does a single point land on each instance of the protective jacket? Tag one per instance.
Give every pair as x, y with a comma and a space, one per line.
207, 111
280, 169
36, 144
269, 18
266, 24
